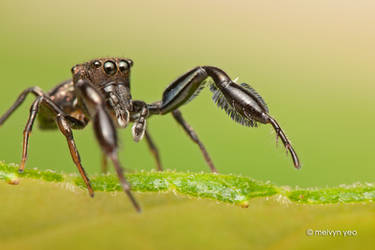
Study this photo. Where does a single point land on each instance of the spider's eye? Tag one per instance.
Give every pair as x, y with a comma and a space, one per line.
110, 67
130, 62
73, 69
97, 64
123, 66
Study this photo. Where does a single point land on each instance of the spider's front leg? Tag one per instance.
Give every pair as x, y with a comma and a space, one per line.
104, 129
240, 101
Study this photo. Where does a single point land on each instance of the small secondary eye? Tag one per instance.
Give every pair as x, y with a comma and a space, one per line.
123, 66
110, 67
130, 61
73, 69
97, 64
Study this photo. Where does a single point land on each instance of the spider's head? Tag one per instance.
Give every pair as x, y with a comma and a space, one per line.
111, 76
103, 71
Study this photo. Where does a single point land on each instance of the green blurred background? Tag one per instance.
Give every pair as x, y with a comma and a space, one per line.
312, 61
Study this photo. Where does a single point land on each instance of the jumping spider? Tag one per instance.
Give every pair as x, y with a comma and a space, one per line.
100, 91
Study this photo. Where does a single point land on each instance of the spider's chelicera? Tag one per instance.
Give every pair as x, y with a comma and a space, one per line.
100, 91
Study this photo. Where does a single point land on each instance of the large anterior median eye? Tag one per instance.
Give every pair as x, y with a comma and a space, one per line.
123, 66
110, 67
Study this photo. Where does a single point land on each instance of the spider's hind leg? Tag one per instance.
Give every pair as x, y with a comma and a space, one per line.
64, 123
49, 113
27, 131
34, 90
65, 128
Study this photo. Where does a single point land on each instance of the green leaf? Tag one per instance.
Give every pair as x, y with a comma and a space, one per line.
50, 210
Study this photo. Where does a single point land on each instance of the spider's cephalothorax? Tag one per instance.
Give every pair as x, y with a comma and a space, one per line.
111, 76
100, 91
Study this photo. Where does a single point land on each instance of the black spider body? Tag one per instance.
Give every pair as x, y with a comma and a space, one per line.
99, 91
